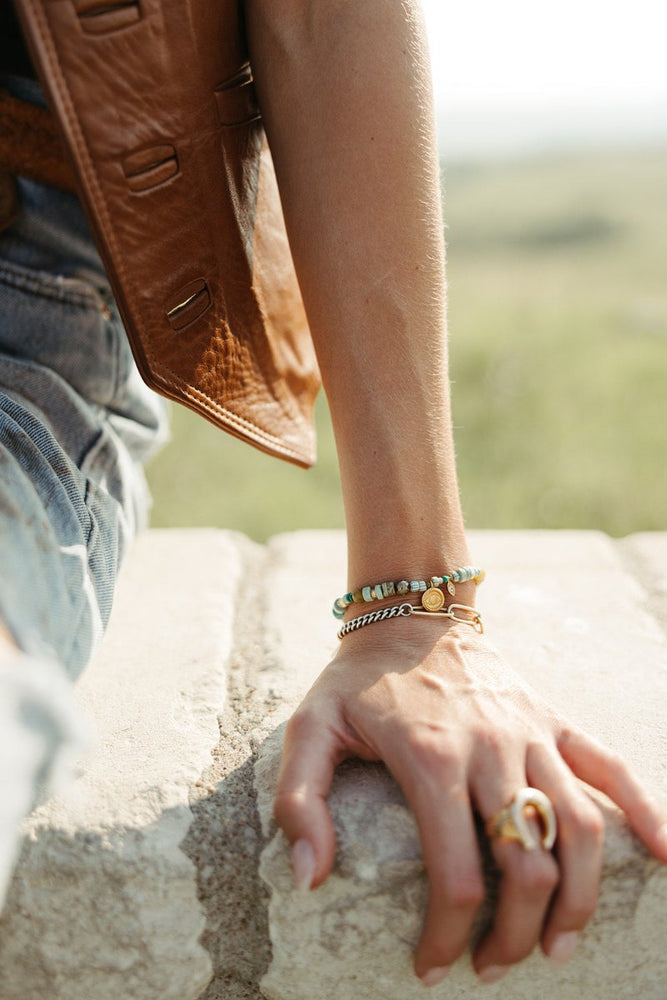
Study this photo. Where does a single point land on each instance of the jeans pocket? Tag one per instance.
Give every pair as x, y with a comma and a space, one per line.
64, 324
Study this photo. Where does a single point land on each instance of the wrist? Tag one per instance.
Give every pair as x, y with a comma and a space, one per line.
391, 548
403, 514
402, 634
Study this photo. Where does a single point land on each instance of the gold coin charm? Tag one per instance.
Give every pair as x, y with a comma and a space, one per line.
433, 599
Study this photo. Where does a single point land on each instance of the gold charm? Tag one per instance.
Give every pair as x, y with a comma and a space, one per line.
450, 588
433, 599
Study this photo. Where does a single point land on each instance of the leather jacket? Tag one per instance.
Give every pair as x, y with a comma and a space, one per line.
155, 103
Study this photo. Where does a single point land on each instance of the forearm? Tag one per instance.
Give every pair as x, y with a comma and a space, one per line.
346, 98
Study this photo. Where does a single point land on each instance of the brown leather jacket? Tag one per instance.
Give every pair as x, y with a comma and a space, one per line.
155, 103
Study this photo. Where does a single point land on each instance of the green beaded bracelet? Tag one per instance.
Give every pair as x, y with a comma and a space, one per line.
433, 598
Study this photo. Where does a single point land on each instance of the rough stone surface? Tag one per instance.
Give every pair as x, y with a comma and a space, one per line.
164, 875
563, 609
105, 903
645, 556
225, 838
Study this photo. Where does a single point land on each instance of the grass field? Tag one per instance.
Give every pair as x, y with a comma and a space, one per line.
558, 334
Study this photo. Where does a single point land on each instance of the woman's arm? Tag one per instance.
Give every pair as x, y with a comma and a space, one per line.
345, 93
346, 97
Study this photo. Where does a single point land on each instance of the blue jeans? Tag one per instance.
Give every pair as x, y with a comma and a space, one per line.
76, 424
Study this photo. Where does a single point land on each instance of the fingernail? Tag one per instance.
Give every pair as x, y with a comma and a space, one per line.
564, 946
493, 973
435, 976
303, 865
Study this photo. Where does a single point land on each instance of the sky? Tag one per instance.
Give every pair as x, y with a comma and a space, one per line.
586, 64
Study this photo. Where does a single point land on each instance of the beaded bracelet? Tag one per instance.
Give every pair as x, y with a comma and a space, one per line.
406, 610
433, 598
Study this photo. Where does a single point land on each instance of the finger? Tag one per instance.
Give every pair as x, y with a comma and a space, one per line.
578, 849
440, 803
603, 769
528, 880
310, 754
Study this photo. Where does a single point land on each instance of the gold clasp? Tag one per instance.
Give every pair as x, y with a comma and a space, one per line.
474, 618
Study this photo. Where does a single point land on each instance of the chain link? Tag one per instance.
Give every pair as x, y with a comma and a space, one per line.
405, 610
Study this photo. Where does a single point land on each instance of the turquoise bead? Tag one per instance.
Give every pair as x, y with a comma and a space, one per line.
378, 591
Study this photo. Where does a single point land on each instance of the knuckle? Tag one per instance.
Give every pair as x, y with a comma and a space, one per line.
584, 824
286, 804
536, 874
567, 733
594, 827
575, 913
299, 725
463, 892
431, 751
494, 742
545, 879
616, 765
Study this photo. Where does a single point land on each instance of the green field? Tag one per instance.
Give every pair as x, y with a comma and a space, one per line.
558, 333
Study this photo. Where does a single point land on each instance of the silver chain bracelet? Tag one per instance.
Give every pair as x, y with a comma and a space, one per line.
406, 610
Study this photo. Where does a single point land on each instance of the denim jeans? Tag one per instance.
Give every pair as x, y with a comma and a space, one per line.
76, 424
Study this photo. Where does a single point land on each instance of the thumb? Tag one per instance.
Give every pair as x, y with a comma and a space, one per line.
310, 755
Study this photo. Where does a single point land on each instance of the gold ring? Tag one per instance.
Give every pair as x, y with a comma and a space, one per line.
511, 823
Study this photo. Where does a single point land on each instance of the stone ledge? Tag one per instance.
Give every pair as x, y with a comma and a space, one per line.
145, 882
645, 556
105, 900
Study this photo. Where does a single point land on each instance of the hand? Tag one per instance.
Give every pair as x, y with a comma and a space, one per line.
460, 732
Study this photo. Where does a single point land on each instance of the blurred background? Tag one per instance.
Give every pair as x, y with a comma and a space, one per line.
553, 137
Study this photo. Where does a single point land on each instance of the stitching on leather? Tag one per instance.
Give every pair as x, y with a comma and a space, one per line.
92, 177
209, 404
